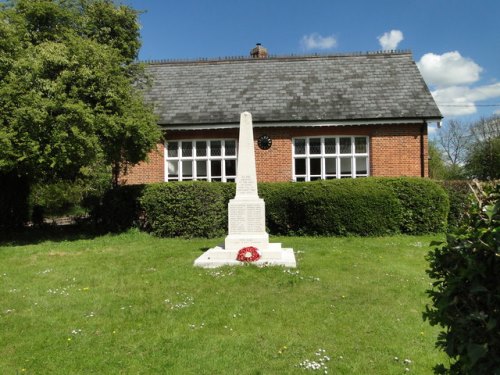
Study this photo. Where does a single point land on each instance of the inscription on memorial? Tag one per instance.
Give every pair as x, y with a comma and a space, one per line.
246, 217
246, 185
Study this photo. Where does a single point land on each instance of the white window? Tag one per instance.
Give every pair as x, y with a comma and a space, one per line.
316, 158
209, 160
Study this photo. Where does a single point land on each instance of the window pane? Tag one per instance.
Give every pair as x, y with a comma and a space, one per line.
187, 149
231, 148
300, 147
172, 149
315, 167
201, 168
298, 179
172, 168
231, 167
215, 148
300, 166
361, 165
345, 166
315, 146
360, 144
201, 148
330, 166
345, 145
330, 146
187, 169
216, 168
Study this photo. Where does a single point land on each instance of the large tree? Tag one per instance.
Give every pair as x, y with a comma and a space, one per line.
453, 140
70, 89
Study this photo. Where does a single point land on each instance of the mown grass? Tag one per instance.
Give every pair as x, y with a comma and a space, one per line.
134, 304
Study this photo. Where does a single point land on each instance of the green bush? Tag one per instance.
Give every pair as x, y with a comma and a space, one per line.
118, 209
466, 291
334, 207
458, 194
58, 198
185, 209
425, 204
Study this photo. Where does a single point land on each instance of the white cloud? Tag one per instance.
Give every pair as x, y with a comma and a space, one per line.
460, 100
316, 41
448, 69
391, 39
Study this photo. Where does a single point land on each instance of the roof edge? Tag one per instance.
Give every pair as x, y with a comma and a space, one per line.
359, 122
275, 57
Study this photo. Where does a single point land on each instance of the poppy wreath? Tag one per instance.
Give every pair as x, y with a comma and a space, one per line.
248, 254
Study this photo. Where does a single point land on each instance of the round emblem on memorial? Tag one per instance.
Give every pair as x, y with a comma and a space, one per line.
264, 142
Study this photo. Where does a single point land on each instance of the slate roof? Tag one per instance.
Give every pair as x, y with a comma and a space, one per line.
291, 89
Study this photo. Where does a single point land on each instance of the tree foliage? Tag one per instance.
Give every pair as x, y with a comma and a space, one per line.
466, 291
69, 92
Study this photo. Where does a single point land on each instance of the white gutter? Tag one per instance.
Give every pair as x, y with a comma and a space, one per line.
301, 124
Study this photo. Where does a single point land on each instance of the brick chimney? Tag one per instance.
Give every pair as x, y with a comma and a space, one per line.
258, 52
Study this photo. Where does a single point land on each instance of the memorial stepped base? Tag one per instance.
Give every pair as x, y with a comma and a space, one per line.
274, 255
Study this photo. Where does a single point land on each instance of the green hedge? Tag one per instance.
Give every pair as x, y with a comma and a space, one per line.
118, 209
185, 209
458, 194
335, 207
425, 204
369, 206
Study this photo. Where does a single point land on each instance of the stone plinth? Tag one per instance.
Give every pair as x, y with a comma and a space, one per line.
246, 214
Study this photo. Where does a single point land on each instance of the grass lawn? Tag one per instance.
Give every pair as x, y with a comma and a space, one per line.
134, 304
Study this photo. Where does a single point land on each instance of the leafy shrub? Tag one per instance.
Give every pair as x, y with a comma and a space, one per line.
458, 194
335, 207
118, 209
424, 204
466, 294
56, 199
185, 209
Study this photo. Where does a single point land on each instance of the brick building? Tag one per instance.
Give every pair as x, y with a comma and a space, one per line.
315, 117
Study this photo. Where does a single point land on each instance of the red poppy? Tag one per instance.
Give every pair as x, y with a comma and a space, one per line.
248, 254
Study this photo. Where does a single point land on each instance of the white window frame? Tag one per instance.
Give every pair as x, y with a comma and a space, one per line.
353, 156
179, 159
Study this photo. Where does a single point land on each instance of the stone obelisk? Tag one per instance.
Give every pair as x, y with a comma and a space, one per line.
246, 214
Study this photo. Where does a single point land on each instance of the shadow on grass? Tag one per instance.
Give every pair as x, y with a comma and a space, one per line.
55, 233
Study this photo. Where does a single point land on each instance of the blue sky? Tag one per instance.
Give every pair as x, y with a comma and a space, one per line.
456, 43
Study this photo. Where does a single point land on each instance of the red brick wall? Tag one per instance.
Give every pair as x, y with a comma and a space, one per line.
152, 170
395, 150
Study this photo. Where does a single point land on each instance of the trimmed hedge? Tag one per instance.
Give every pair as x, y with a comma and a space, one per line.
119, 209
335, 207
368, 206
185, 209
425, 204
458, 193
